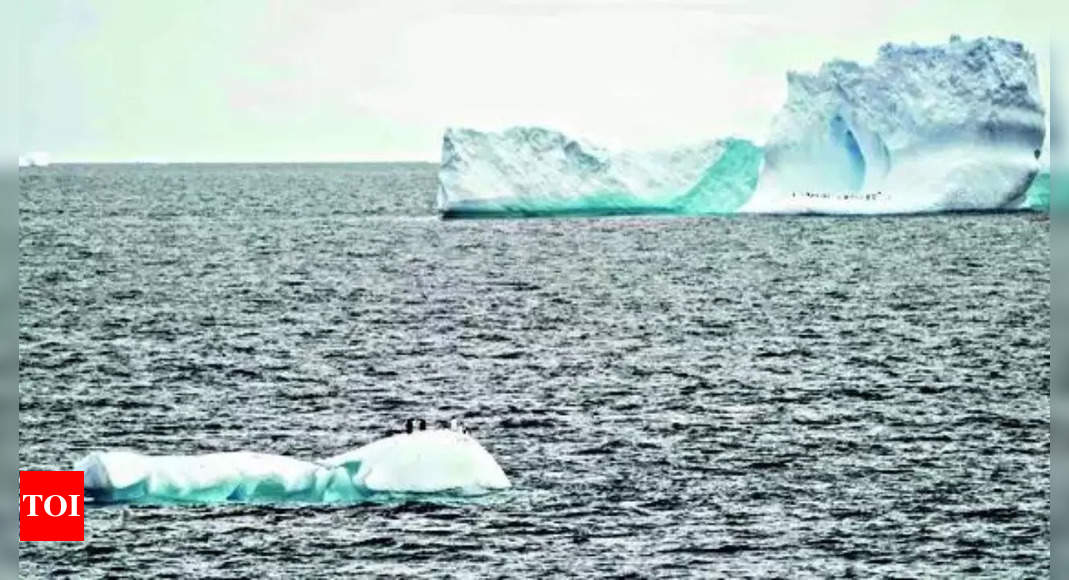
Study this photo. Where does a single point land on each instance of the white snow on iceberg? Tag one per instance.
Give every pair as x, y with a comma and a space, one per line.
422, 462
953, 127
437, 461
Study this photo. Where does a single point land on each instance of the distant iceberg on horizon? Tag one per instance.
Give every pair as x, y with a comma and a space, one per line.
35, 159
952, 127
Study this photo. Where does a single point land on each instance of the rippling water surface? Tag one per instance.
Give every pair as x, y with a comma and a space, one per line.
671, 397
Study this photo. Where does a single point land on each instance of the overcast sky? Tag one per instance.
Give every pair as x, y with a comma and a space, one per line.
303, 80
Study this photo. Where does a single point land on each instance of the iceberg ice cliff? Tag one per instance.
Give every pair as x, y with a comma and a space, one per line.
952, 127
530, 171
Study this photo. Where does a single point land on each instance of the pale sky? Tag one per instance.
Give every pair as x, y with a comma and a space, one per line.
319, 80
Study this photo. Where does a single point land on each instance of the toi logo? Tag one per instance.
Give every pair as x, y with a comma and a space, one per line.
51, 506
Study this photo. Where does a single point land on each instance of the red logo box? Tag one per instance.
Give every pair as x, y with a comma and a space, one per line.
51, 506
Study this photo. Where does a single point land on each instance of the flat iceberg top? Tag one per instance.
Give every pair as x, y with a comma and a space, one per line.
435, 461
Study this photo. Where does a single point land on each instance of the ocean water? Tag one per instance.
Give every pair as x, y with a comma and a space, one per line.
672, 397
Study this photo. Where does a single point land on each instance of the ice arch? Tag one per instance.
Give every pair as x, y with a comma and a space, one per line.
851, 166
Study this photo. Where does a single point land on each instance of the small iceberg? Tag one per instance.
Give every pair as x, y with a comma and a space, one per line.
437, 461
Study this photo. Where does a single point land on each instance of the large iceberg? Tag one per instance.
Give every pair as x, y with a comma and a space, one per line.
438, 461
531, 171
953, 127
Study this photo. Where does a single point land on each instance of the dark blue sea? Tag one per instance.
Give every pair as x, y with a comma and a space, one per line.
735, 397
